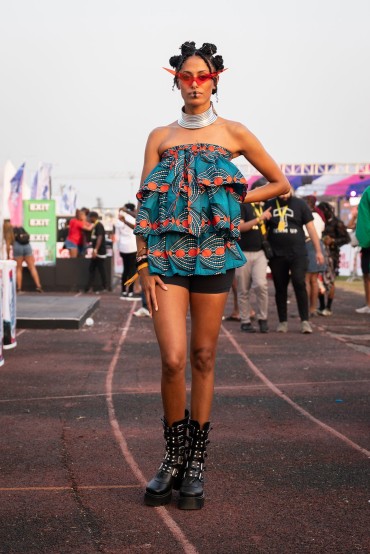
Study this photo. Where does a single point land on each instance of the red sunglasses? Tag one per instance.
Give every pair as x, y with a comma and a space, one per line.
187, 78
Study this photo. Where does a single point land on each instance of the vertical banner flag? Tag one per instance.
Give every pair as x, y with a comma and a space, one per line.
33, 195
15, 198
1, 226
44, 181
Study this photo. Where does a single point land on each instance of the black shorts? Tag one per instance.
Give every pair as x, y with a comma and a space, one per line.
365, 261
205, 284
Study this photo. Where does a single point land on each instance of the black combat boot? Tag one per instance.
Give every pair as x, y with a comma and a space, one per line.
191, 490
171, 470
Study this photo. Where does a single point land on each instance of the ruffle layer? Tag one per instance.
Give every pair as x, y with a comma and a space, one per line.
171, 254
194, 189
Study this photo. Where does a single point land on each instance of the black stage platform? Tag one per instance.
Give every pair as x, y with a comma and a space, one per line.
45, 311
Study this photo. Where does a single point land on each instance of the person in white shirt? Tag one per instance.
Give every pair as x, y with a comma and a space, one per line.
126, 242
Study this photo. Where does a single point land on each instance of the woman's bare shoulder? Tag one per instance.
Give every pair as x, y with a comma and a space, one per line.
236, 135
235, 128
159, 135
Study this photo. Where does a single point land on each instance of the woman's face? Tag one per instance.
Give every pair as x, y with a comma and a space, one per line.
195, 92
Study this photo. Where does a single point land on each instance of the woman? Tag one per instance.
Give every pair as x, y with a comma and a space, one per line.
287, 239
334, 236
22, 252
187, 227
75, 241
313, 269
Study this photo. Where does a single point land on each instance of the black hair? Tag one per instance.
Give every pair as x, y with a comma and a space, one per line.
94, 214
327, 209
206, 52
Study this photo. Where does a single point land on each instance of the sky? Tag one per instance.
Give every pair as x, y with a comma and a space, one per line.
82, 84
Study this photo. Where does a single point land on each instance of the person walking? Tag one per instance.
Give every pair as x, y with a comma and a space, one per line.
313, 269
286, 236
335, 235
187, 229
254, 272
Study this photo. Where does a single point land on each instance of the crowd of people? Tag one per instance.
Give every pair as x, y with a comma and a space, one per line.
300, 241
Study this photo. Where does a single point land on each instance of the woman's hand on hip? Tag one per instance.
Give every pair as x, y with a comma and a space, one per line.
149, 284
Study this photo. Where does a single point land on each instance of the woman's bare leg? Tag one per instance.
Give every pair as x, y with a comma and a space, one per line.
206, 316
170, 328
73, 252
312, 291
30, 261
19, 272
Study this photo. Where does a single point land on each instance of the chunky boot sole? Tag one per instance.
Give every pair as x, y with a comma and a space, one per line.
157, 499
191, 502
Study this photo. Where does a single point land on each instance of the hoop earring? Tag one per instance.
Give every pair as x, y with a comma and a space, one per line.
217, 96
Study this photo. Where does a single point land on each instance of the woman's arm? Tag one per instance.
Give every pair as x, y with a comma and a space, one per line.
254, 152
310, 226
149, 282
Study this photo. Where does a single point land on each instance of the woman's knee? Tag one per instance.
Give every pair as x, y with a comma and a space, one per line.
202, 359
173, 366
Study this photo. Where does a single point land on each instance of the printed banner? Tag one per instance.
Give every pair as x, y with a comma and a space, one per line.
41, 184
15, 198
40, 222
2, 245
8, 268
1, 318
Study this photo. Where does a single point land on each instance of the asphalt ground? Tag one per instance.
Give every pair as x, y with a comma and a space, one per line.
288, 465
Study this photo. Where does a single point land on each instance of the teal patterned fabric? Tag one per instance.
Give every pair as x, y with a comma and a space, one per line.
190, 211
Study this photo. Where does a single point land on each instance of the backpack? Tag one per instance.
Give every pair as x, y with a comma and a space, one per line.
21, 235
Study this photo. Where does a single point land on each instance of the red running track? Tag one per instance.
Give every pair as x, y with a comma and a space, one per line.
288, 467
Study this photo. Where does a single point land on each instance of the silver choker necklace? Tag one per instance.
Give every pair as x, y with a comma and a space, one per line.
199, 120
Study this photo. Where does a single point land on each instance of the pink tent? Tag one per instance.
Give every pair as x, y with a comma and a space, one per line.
340, 188
252, 179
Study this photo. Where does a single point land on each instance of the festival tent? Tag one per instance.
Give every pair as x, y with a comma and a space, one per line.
340, 188
252, 179
301, 180
318, 186
358, 188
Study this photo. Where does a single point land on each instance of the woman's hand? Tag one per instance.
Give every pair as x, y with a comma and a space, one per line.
327, 240
320, 260
148, 284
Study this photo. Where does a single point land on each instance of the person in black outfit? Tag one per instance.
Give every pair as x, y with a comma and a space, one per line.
287, 239
99, 252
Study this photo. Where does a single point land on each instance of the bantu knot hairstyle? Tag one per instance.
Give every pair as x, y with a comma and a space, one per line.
206, 52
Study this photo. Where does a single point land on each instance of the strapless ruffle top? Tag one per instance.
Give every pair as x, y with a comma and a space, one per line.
190, 211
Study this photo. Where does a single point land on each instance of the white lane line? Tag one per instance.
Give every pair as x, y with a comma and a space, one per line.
57, 489
283, 396
346, 339
19, 333
118, 434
